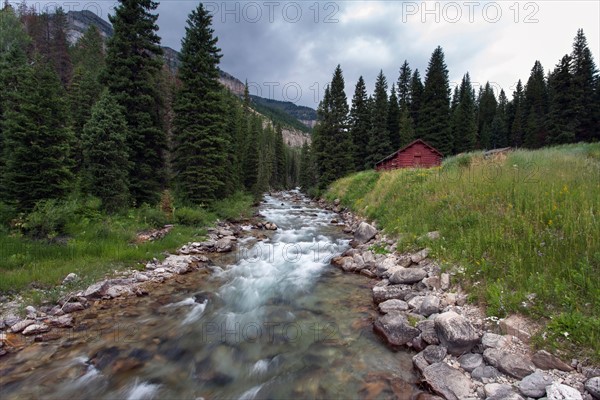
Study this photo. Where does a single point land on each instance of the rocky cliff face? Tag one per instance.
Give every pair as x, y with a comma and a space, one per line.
80, 21
232, 83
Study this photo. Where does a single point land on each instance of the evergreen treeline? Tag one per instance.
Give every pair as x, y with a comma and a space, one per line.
562, 106
110, 120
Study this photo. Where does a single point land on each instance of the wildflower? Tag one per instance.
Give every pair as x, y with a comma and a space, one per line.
566, 334
549, 222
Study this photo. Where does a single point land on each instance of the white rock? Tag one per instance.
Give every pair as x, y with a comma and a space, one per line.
557, 391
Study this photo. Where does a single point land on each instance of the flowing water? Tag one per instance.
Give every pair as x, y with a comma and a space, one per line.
272, 320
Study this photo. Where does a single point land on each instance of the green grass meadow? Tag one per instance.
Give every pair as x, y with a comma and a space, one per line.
94, 245
524, 227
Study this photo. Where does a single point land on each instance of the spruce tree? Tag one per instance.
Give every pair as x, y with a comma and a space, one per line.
251, 157
517, 130
535, 108
85, 88
360, 124
407, 131
37, 138
379, 136
585, 76
393, 119
278, 180
498, 128
404, 86
434, 119
13, 68
486, 110
133, 65
562, 106
307, 178
334, 136
105, 163
416, 98
200, 133
464, 124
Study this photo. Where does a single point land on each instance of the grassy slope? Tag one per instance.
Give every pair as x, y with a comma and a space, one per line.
525, 229
99, 245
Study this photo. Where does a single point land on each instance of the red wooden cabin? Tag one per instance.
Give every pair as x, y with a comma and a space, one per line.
417, 154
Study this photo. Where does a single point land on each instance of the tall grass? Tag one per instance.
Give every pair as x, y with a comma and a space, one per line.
525, 227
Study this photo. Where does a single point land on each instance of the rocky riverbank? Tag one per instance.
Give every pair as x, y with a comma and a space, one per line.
51, 322
461, 354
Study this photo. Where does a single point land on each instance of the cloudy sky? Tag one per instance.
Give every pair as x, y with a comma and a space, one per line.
289, 49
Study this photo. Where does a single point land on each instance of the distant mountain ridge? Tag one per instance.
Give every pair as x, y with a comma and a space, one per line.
297, 117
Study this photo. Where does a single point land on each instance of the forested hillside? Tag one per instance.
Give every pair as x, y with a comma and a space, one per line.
111, 121
557, 107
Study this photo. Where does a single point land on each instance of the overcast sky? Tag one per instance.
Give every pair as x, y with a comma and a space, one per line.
288, 50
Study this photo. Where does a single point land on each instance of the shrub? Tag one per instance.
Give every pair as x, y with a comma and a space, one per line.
235, 207
152, 216
49, 219
7, 214
192, 216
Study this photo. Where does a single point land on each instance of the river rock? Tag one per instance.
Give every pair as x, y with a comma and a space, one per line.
19, 326
493, 341
408, 276
364, 233
470, 361
270, 226
455, 333
70, 278
593, 387
447, 381
534, 385
35, 329
498, 391
557, 391
434, 354
514, 365
224, 232
484, 373
419, 362
96, 291
415, 302
430, 305
393, 305
445, 281
383, 293
419, 256
118, 290
395, 329
224, 245
518, 326
368, 257
31, 311
367, 273
64, 321
428, 332
546, 361
72, 307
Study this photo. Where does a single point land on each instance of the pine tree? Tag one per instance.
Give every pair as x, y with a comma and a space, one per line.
535, 108
13, 68
133, 66
334, 136
379, 136
486, 110
59, 47
498, 129
517, 130
360, 123
416, 93
280, 172
200, 135
85, 87
434, 120
464, 125
585, 76
37, 138
407, 131
105, 163
404, 87
393, 119
307, 179
251, 154
562, 109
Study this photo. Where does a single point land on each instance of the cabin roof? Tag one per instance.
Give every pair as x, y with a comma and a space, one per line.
433, 149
